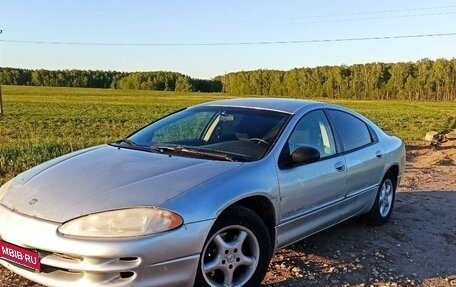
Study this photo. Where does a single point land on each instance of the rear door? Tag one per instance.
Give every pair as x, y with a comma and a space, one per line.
363, 156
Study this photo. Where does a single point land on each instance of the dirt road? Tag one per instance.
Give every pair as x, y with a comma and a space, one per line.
416, 248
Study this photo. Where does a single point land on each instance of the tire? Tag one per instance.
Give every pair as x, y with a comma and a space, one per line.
384, 202
237, 251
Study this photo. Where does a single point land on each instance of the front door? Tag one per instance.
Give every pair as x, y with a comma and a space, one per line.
310, 193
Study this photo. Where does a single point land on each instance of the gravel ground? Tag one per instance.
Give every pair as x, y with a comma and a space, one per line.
417, 247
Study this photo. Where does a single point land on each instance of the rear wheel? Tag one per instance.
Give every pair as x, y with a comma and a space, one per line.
237, 251
383, 206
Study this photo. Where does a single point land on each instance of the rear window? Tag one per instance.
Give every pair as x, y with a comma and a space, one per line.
353, 132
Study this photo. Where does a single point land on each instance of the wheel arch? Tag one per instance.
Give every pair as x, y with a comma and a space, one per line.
393, 171
264, 208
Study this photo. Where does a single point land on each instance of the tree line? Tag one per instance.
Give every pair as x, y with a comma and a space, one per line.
422, 80
164, 81
160, 81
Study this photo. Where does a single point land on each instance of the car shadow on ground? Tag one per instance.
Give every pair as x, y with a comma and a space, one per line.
416, 247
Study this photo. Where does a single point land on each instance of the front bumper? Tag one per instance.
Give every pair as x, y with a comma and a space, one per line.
166, 259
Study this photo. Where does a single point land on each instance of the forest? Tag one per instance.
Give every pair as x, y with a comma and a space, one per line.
158, 81
422, 80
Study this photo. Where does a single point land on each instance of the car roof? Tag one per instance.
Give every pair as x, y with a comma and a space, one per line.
284, 105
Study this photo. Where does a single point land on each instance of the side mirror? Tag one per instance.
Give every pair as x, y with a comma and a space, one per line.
300, 156
305, 154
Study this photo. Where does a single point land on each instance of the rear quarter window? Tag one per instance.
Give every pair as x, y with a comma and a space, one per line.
353, 132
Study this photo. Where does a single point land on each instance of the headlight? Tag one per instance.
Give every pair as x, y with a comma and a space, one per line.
4, 188
129, 222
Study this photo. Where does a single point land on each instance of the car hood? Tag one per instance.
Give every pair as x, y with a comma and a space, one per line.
106, 178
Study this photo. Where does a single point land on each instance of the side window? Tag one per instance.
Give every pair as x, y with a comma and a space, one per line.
354, 132
313, 130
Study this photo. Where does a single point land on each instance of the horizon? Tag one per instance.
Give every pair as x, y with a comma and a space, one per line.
212, 78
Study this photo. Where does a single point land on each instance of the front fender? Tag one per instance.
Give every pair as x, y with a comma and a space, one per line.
208, 200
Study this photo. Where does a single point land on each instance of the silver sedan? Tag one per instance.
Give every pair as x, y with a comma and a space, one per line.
202, 197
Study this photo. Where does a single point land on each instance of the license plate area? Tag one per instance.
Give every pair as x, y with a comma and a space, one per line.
24, 257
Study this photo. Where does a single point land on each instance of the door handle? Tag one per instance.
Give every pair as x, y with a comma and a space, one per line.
378, 153
339, 166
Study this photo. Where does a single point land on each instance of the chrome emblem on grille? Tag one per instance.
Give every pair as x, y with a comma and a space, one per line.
33, 201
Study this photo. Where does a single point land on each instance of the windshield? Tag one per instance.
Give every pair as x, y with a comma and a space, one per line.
240, 134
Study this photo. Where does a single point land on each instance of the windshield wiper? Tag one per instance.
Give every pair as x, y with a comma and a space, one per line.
128, 141
163, 148
193, 151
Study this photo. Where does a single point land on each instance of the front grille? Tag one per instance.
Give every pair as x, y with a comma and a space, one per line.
72, 268
88, 264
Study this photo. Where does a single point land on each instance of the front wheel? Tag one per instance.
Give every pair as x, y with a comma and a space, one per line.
383, 206
236, 252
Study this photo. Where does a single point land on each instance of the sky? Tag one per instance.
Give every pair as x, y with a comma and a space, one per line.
206, 38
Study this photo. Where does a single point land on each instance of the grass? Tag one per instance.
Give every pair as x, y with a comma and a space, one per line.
41, 123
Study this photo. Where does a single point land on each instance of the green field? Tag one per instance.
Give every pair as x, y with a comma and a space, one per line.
41, 122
